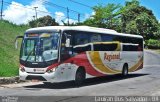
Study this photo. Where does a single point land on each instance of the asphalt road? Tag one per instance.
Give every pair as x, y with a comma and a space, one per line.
145, 82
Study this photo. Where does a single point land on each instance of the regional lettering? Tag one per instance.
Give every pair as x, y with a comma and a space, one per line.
110, 57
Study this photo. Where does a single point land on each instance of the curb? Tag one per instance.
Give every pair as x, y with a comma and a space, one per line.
9, 80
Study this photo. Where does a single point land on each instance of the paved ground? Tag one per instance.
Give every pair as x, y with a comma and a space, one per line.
145, 82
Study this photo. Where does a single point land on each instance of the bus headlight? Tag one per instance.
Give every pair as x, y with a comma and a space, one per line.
22, 68
51, 70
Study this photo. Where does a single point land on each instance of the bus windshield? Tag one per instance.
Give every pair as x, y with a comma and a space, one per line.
40, 47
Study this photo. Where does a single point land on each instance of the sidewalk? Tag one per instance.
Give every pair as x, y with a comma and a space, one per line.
9, 80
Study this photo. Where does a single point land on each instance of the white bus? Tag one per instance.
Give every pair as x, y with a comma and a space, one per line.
64, 53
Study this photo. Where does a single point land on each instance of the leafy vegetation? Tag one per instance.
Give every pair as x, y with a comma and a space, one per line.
131, 18
139, 20
105, 16
43, 21
8, 54
153, 44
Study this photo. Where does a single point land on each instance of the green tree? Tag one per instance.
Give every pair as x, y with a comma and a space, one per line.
43, 21
131, 18
137, 19
105, 16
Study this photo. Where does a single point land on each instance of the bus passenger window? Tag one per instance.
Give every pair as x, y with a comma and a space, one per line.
96, 38
81, 48
81, 38
105, 47
130, 48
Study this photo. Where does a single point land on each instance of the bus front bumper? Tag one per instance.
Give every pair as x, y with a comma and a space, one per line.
48, 77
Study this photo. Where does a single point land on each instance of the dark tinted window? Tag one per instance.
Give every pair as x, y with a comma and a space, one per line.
80, 37
105, 47
108, 37
80, 49
130, 48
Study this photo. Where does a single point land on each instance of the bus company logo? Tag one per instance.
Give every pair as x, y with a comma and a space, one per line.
34, 70
38, 70
110, 57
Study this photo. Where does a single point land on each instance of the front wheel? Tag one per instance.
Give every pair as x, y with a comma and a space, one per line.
80, 76
125, 70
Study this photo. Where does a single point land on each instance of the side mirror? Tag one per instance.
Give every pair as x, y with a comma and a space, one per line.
16, 41
67, 42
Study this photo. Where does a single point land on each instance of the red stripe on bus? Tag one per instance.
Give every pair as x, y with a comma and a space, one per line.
82, 60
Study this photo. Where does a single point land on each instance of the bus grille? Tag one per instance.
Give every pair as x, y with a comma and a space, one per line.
31, 77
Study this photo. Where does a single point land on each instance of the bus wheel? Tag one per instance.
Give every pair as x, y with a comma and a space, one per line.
125, 70
80, 76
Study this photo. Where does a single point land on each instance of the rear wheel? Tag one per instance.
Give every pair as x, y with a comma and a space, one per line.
125, 70
80, 76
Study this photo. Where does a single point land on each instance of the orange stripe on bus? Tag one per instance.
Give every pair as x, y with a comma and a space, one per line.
96, 60
139, 63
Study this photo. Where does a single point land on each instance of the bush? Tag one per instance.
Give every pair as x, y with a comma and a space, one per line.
153, 44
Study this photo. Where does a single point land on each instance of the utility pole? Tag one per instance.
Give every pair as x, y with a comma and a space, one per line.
2, 10
78, 18
68, 15
34, 18
36, 12
36, 15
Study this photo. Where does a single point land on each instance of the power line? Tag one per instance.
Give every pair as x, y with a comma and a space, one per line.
81, 4
39, 10
45, 11
25, 7
68, 10
65, 8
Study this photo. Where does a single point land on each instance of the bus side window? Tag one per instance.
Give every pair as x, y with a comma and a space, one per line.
95, 38
105, 47
130, 48
81, 38
80, 49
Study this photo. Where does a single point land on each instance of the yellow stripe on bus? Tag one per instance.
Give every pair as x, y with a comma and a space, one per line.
96, 60
133, 68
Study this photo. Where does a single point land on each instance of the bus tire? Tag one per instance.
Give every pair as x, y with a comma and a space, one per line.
80, 76
125, 70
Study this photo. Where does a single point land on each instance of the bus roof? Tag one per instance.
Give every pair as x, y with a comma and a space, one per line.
80, 28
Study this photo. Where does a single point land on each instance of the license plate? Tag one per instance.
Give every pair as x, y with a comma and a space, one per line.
35, 80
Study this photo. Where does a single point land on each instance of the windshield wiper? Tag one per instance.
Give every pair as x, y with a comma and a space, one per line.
29, 54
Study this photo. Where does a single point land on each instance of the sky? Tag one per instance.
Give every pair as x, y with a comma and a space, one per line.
22, 11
